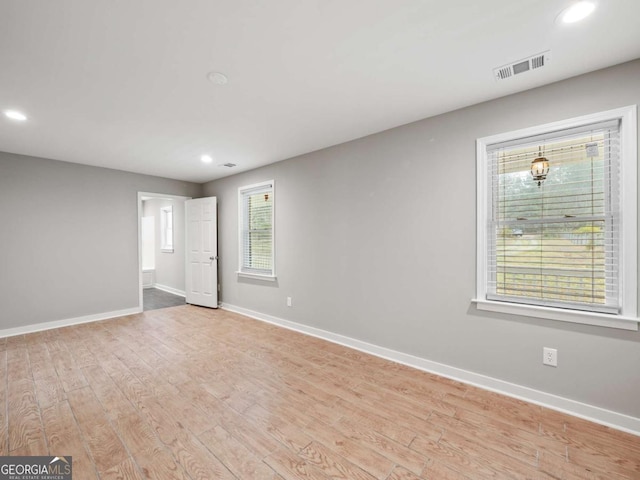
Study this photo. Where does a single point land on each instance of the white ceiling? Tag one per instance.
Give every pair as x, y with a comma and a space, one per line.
123, 83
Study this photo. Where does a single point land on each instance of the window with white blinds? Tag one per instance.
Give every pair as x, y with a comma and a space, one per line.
256, 211
166, 229
557, 217
556, 243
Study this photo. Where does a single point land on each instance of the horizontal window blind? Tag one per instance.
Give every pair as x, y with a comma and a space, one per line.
166, 228
257, 230
556, 244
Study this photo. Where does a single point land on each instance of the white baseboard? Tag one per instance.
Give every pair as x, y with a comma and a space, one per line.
38, 327
592, 413
175, 291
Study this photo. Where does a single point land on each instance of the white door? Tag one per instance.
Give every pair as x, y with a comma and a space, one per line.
202, 252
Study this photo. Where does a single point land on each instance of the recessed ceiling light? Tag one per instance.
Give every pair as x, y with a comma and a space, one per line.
217, 78
15, 115
206, 159
578, 11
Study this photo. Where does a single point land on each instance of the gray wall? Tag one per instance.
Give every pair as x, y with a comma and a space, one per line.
375, 239
169, 265
69, 238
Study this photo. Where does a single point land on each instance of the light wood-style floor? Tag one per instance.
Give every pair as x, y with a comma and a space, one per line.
191, 393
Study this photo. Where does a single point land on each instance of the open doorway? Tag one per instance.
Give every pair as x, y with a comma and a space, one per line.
161, 250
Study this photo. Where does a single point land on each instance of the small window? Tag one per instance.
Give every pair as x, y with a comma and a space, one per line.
256, 212
557, 220
166, 229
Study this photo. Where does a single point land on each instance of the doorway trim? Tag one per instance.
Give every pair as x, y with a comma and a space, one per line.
141, 197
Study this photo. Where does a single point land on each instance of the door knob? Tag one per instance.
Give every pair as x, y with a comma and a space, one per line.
213, 258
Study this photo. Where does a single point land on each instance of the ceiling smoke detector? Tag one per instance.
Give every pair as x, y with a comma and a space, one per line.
217, 78
521, 66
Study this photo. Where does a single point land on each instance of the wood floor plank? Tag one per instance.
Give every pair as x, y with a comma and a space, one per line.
113, 401
24, 421
504, 442
488, 426
358, 453
153, 458
136, 434
18, 367
4, 426
82, 355
196, 461
65, 365
248, 433
191, 393
292, 467
332, 464
494, 413
504, 464
65, 439
401, 473
158, 464
16, 342
251, 435
240, 461
39, 360
626, 467
394, 451
30, 448
455, 459
557, 466
601, 441
49, 390
126, 470
104, 444
438, 470
279, 427
369, 418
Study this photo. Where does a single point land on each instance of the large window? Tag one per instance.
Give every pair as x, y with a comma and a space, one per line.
256, 212
557, 217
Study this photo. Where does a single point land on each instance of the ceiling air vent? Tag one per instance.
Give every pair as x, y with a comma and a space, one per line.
532, 63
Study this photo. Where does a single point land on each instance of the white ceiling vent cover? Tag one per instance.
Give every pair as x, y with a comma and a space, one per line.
532, 63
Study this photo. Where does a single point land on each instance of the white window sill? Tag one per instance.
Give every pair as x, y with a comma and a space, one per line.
166, 250
257, 276
573, 316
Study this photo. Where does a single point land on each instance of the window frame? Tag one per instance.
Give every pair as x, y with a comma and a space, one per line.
242, 220
166, 229
627, 317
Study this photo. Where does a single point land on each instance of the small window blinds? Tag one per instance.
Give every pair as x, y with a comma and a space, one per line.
556, 244
256, 233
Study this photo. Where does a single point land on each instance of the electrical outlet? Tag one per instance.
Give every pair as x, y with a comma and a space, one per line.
550, 356
289, 301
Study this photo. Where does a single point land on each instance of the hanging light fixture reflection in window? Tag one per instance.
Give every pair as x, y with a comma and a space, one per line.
539, 168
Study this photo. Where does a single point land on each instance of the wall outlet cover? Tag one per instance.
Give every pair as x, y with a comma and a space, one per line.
550, 356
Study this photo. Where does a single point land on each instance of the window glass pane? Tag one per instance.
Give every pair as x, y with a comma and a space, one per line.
574, 185
553, 238
257, 232
166, 228
561, 262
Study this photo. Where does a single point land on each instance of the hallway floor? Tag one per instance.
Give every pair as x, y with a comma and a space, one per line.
153, 299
